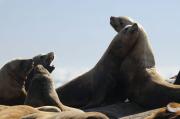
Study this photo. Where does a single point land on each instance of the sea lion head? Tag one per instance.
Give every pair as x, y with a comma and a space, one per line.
118, 23
45, 60
124, 42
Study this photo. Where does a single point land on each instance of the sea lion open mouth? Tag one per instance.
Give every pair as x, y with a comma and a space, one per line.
48, 61
113, 23
50, 58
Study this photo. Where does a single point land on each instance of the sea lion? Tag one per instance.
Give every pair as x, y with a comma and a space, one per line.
12, 79
42, 92
45, 112
44, 60
177, 79
66, 115
2, 107
102, 85
172, 111
16, 112
145, 85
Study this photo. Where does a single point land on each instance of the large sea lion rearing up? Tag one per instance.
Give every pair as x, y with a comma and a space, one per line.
42, 92
12, 79
44, 60
145, 86
96, 86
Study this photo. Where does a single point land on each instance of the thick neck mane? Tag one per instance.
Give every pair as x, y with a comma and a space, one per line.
142, 52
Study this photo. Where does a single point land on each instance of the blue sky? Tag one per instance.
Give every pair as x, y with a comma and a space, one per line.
79, 31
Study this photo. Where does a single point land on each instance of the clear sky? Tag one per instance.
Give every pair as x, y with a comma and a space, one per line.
78, 31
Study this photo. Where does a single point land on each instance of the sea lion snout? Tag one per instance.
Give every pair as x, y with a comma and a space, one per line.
50, 57
112, 19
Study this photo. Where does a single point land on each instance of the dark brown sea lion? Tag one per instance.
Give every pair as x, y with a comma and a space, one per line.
177, 79
145, 85
44, 60
42, 92
12, 79
102, 84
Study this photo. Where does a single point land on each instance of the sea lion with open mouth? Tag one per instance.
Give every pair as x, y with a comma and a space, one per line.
44, 60
42, 91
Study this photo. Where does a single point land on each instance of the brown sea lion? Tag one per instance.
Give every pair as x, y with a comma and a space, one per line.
16, 112
44, 60
45, 112
42, 92
12, 79
2, 107
145, 85
66, 115
172, 111
102, 84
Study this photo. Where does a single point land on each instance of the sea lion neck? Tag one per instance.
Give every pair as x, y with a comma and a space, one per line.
109, 59
142, 53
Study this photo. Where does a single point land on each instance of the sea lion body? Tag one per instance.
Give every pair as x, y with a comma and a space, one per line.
42, 91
